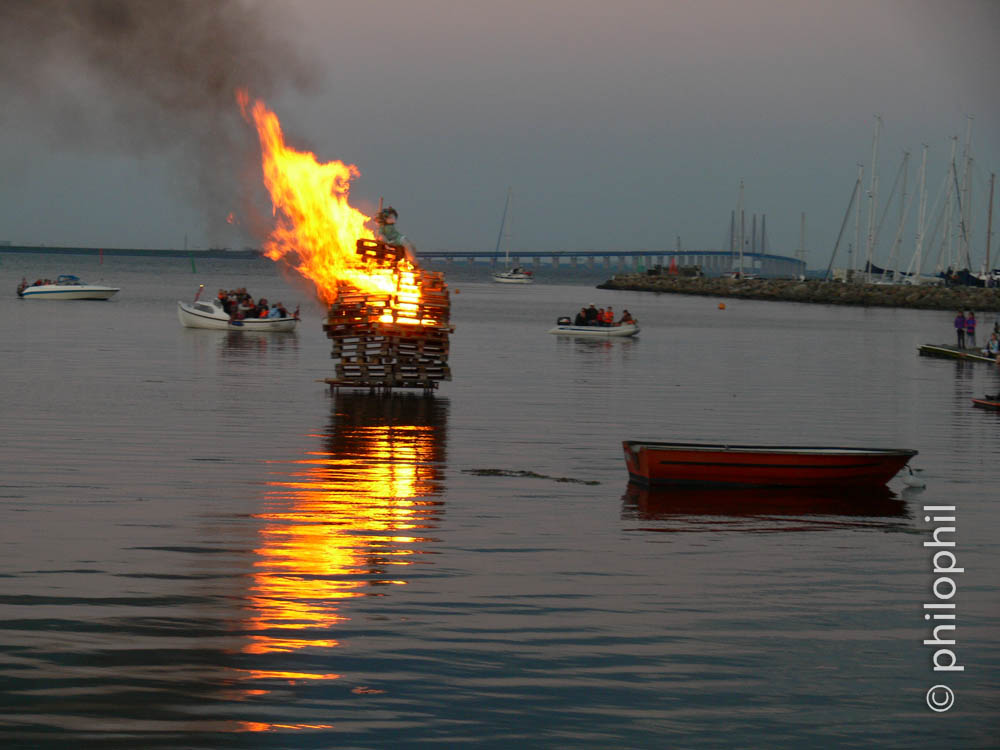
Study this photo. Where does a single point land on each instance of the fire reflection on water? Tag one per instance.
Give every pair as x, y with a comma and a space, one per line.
343, 521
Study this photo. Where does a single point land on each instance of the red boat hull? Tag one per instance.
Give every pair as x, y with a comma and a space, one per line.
668, 502
983, 403
760, 466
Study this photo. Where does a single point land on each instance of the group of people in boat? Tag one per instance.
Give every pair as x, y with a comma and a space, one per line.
239, 304
38, 282
603, 316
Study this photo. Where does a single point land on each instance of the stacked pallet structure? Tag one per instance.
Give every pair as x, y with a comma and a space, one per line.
391, 340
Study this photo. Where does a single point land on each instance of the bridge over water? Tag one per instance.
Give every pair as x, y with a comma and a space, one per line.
712, 262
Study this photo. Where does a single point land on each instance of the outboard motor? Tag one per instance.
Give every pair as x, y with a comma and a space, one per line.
564, 321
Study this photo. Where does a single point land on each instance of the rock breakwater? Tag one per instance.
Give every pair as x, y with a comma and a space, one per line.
816, 291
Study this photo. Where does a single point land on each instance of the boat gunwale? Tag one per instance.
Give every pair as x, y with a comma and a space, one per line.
43, 289
637, 445
594, 330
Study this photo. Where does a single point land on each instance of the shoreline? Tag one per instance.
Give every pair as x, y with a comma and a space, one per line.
815, 291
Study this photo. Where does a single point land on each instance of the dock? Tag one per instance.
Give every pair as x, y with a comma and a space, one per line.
945, 351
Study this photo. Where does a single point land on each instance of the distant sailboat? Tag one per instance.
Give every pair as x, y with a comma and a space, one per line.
515, 275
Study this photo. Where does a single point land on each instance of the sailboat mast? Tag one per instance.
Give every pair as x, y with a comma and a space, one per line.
904, 207
989, 224
742, 233
800, 253
843, 226
732, 237
946, 240
503, 225
857, 225
873, 199
966, 206
921, 213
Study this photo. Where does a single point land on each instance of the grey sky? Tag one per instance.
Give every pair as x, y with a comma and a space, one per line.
618, 125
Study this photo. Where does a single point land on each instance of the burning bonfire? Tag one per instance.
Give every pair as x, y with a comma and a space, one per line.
388, 318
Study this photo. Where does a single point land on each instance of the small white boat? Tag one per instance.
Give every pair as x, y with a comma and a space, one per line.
514, 276
66, 286
209, 314
630, 329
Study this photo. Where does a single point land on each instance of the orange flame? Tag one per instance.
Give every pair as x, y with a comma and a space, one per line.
315, 230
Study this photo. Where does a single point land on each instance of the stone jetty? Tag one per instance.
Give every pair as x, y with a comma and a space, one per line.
815, 291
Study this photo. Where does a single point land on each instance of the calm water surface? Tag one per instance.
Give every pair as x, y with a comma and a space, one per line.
202, 547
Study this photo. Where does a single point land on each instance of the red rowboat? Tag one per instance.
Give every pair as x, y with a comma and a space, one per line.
761, 466
987, 402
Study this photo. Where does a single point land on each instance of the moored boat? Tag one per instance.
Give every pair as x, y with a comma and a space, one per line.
66, 286
945, 351
567, 329
514, 275
662, 463
987, 402
210, 314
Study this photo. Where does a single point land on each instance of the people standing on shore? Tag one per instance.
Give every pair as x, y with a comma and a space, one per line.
970, 329
960, 329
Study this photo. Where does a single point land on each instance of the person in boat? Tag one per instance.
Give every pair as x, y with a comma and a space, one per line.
970, 329
992, 347
390, 234
609, 317
626, 319
592, 314
960, 329
581, 317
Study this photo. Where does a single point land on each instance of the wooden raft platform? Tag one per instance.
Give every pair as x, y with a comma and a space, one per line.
945, 351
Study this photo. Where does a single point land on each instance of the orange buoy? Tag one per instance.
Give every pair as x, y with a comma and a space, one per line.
722, 305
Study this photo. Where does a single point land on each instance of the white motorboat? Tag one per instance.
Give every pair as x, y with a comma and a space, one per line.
210, 314
66, 286
566, 329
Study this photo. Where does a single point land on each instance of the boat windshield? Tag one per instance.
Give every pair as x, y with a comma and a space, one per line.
68, 279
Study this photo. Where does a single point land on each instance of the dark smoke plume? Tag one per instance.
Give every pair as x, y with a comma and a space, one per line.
147, 76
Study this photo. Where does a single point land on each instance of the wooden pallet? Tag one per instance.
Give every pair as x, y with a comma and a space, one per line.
403, 353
